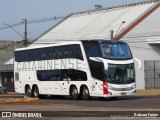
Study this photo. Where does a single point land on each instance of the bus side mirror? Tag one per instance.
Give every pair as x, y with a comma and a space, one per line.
139, 63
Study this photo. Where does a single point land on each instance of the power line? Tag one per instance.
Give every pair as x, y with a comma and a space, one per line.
33, 21
13, 25
14, 30
45, 20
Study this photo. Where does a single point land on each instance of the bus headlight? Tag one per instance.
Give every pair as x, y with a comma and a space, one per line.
133, 86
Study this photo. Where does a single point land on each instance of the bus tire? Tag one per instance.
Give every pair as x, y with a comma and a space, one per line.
74, 93
85, 93
35, 92
28, 91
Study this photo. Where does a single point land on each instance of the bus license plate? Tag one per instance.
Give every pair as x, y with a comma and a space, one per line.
123, 93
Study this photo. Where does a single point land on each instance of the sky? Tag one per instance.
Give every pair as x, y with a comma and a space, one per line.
14, 11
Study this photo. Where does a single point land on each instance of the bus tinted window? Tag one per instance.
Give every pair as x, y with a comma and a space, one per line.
20, 56
92, 49
48, 53
43, 53
115, 51
69, 51
59, 75
30, 55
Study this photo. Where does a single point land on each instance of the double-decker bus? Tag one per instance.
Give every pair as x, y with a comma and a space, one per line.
81, 69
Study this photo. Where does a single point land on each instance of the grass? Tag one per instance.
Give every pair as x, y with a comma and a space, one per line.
150, 92
17, 100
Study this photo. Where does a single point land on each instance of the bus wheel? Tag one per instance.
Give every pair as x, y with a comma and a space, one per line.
74, 93
28, 91
85, 93
35, 92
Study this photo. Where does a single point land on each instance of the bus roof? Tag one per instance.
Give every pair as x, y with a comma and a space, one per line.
73, 42
106, 41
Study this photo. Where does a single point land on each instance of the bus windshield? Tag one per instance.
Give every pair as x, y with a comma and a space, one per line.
115, 51
120, 74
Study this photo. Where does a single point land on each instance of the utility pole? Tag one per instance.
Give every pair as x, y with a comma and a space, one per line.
111, 33
25, 34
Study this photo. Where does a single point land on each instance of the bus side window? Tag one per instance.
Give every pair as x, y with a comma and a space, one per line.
59, 75
80, 75
69, 51
20, 56
59, 53
76, 52
31, 55
91, 49
52, 53
76, 75
56, 75
43, 54
44, 75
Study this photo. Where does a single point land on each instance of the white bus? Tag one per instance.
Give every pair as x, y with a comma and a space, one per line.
81, 69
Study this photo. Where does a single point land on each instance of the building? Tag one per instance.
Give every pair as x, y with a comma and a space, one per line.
6, 71
6, 67
137, 24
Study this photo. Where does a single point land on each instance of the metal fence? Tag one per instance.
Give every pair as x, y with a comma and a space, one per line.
152, 74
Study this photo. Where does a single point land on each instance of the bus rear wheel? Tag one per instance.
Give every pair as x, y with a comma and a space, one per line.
28, 91
74, 93
85, 93
35, 92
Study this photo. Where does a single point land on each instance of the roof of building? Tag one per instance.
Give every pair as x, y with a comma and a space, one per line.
97, 24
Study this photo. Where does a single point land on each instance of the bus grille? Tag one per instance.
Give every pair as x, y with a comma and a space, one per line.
122, 89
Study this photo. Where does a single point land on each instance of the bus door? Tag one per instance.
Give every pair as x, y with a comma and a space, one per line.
61, 83
58, 85
58, 88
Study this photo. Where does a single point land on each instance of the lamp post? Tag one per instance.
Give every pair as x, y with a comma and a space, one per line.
119, 28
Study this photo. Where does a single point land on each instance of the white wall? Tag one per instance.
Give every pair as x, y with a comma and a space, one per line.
137, 39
